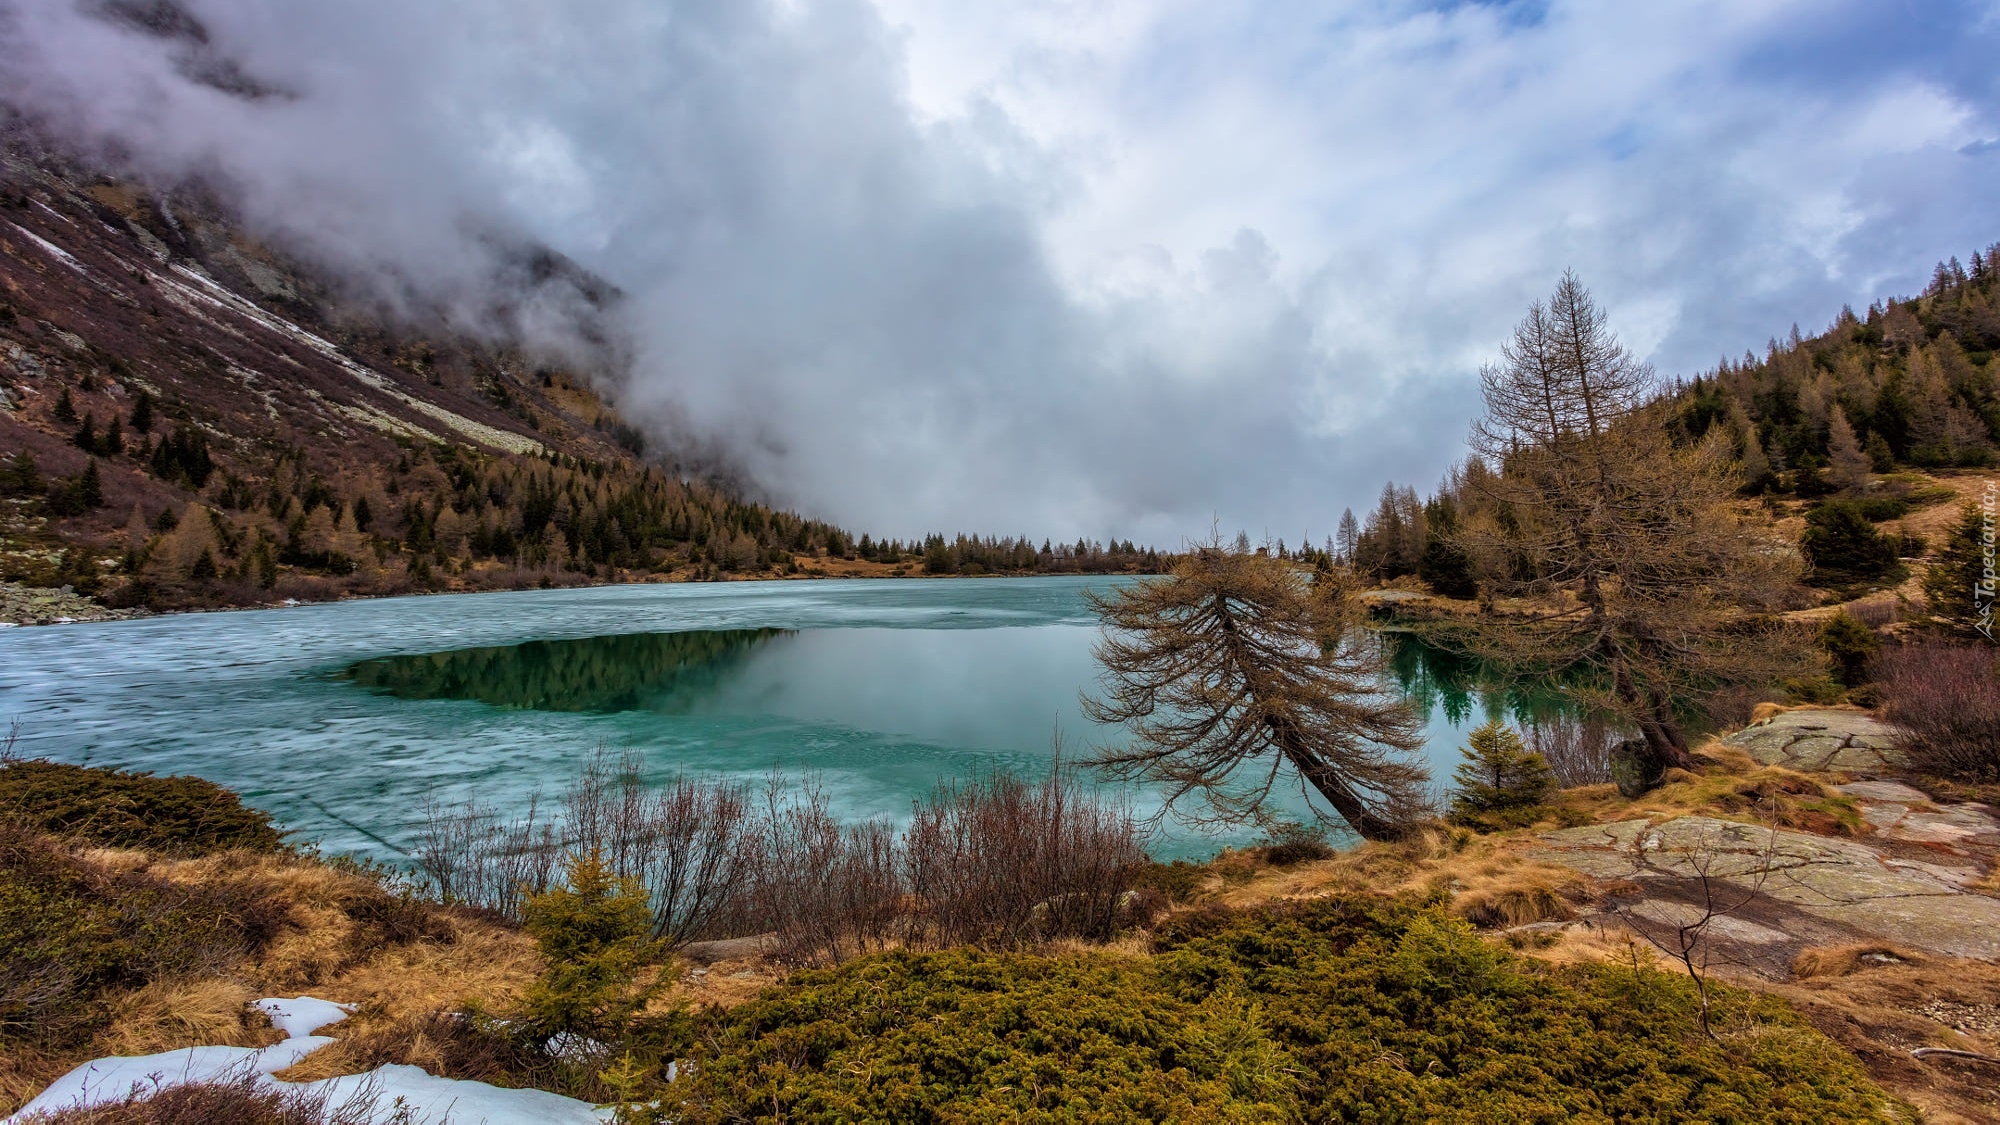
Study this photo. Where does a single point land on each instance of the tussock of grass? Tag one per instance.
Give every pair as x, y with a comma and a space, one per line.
1734, 789
118, 951
448, 1043
167, 1014
1504, 895
1844, 960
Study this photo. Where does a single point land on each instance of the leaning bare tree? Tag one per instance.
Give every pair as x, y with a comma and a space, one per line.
1640, 587
1232, 672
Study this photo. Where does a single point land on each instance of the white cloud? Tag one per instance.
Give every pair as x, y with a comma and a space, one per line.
1067, 267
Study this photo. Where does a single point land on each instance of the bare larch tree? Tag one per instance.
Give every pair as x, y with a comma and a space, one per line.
1233, 675
1639, 585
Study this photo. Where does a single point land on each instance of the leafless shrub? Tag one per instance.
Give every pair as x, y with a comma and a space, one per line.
868, 896
1946, 699
243, 1099
1001, 861
1685, 939
688, 842
473, 858
822, 888
995, 860
1578, 750
1877, 610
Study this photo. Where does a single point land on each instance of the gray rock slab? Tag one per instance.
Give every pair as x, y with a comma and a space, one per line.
1961, 925
1894, 791
1816, 739
1841, 881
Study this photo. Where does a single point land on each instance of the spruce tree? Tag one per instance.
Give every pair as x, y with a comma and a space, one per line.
90, 486
1444, 563
1501, 781
1959, 588
65, 409
142, 413
593, 933
1849, 646
24, 477
1880, 457
1843, 546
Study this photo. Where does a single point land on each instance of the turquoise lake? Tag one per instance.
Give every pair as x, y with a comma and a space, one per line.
340, 718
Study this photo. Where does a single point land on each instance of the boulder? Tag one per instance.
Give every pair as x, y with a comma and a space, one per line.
1635, 767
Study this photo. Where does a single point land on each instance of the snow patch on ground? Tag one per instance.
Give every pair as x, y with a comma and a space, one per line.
389, 1090
302, 1015
110, 1080
430, 1098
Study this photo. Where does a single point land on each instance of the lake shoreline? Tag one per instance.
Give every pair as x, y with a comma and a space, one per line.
48, 606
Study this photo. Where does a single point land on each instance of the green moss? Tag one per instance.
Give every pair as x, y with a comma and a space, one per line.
112, 808
1339, 1009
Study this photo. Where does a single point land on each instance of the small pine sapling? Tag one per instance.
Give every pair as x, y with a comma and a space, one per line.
1849, 645
592, 930
1501, 784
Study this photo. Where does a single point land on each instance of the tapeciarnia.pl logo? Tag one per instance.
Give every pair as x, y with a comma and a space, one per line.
1984, 589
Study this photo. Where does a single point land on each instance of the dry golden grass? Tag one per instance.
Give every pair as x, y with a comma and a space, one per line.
1733, 787
1882, 1011
1845, 960
24, 1071
1491, 884
1505, 893
1765, 711
334, 932
401, 989
166, 1015
1936, 521
724, 984
487, 963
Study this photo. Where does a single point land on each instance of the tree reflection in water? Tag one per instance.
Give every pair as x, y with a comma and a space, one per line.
623, 672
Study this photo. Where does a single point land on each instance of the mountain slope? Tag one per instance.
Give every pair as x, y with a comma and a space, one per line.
188, 418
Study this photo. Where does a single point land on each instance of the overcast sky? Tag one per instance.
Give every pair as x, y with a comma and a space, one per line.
1061, 268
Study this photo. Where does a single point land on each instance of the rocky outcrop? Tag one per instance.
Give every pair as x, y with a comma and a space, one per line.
35, 605
1918, 877
1850, 885
1821, 740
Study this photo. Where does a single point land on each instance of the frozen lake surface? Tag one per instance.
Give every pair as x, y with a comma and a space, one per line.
339, 718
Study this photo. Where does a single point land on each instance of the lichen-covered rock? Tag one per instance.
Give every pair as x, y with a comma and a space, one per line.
41, 605
1842, 881
1820, 739
1635, 768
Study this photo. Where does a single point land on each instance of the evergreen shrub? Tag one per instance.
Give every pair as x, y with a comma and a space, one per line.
1351, 1008
116, 809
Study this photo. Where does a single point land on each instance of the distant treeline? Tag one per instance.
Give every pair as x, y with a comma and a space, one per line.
444, 513
972, 555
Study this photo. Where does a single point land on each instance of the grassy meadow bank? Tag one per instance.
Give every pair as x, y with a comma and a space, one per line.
1454, 974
